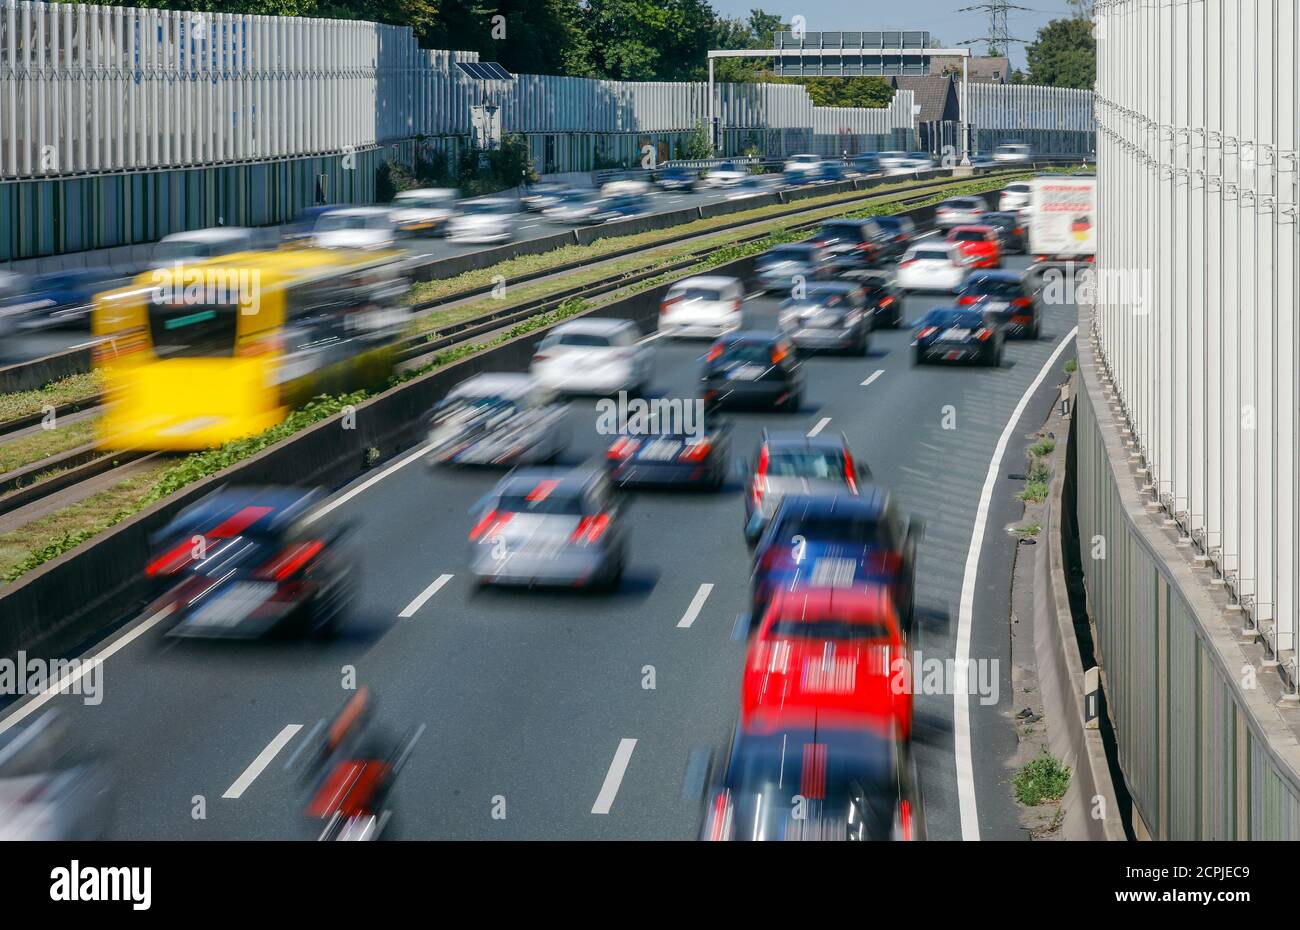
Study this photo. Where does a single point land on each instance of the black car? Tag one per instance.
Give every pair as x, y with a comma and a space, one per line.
1011, 232
248, 561
957, 334
899, 231
884, 299
854, 245
672, 453
828, 315
1005, 299
752, 368
802, 777
676, 179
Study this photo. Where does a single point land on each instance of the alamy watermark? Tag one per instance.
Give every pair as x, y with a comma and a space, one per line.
26, 675
638, 416
188, 285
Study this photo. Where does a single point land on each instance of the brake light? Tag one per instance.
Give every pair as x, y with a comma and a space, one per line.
735, 305
695, 452
623, 448
927, 331
779, 352
905, 820
907, 261
490, 523
760, 478
539, 357
887, 302
1019, 231
291, 561
170, 561
590, 528
1021, 302
983, 334
967, 300
666, 304
850, 473
715, 353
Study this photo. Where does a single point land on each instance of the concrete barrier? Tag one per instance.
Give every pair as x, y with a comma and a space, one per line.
589, 234
29, 376
727, 207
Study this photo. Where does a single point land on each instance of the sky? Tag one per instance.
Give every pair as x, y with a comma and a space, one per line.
939, 17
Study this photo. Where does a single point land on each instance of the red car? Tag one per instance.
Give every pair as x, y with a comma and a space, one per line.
980, 243
834, 655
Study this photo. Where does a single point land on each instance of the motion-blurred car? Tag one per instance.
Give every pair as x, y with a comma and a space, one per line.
504, 418
1010, 230
797, 777
753, 185
793, 265
727, 174
854, 245
884, 299
199, 244
1014, 197
51, 787
830, 652
828, 315
627, 185
932, 267
58, 299
828, 172
303, 226
899, 232
837, 541
979, 245
958, 211
921, 161
671, 454
485, 221
676, 178
1006, 299
802, 162
752, 368
794, 463
587, 207
892, 159
864, 164
593, 355
424, 211
544, 194
704, 306
1013, 153
957, 334
244, 562
550, 527
355, 228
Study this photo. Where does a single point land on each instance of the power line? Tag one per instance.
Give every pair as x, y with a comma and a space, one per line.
999, 36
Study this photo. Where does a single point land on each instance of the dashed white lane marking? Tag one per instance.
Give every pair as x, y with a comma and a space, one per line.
368, 484
235, 791
614, 777
821, 425
697, 603
424, 595
873, 376
66, 680
970, 824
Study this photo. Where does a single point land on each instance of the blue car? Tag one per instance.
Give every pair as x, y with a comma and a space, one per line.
957, 334
675, 455
58, 299
837, 541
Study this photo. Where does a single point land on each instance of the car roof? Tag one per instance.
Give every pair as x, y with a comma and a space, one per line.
869, 504
213, 234
833, 287
714, 281
971, 227
504, 383
268, 509
857, 603
427, 192
1012, 277
601, 325
1000, 214
751, 335
566, 480
793, 439
362, 211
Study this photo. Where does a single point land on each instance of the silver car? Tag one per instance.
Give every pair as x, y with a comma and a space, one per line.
498, 419
794, 463
49, 788
550, 527
959, 211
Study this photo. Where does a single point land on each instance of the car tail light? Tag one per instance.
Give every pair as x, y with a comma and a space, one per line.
171, 561
539, 357
715, 353
489, 524
1025, 320
735, 305
967, 300
907, 261
887, 302
291, 561
590, 529
779, 352
623, 448
666, 305
1020, 231
983, 334
850, 473
760, 477
927, 331
695, 452
1021, 302
905, 820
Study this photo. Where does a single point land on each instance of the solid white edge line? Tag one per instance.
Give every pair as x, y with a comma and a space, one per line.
26, 708
873, 376
970, 825
697, 604
367, 484
424, 596
821, 425
236, 790
614, 777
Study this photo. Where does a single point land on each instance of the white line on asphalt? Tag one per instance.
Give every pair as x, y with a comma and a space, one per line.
873, 376
821, 425
755, 295
693, 610
262, 761
614, 777
970, 825
367, 484
84, 666
530, 226
424, 595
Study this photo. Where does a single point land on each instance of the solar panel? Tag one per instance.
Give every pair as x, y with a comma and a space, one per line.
485, 70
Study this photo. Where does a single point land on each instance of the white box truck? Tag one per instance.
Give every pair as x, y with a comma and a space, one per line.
1063, 219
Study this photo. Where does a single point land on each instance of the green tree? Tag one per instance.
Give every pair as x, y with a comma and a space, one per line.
844, 91
1064, 54
645, 40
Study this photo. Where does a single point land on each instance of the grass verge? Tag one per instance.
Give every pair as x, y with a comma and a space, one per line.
1042, 779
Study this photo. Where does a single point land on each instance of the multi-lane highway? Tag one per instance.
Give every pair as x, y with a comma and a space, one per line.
534, 711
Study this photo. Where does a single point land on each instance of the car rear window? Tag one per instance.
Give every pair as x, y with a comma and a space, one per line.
747, 352
837, 529
843, 231
579, 339
969, 235
994, 287
805, 465
555, 503
697, 293
932, 255
796, 628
